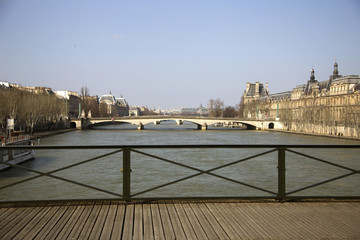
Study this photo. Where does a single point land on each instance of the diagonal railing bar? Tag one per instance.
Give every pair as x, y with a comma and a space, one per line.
197, 174
66, 180
199, 170
56, 170
60, 169
166, 184
323, 182
242, 183
321, 160
204, 172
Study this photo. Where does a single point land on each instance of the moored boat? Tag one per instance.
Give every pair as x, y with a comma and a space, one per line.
15, 156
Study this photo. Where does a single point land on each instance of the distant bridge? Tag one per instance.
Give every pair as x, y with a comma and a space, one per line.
201, 122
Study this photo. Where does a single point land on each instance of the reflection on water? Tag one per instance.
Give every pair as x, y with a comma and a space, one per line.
148, 172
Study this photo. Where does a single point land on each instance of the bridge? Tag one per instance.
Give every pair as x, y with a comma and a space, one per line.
202, 122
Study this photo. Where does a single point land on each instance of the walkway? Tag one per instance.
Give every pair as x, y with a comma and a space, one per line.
185, 220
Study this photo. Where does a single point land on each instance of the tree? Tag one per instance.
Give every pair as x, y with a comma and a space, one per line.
94, 107
84, 99
31, 111
241, 107
103, 112
230, 112
216, 107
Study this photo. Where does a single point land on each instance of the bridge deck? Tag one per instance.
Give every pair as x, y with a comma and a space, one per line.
185, 220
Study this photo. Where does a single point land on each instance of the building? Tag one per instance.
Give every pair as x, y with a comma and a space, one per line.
72, 101
329, 107
115, 106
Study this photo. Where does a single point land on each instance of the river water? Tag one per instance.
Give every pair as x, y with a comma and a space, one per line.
148, 172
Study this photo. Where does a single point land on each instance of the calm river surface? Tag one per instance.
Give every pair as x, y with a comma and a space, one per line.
147, 172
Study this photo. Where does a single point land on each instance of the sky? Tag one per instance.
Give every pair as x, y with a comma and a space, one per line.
168, 54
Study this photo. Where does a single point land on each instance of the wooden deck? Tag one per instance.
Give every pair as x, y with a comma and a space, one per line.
185, 220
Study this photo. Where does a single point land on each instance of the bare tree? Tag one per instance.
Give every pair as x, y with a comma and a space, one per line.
230, 112
241, 107
216, 107
84, 99
103, 112
41, 111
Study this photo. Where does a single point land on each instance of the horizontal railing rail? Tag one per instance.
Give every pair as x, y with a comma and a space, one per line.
281, 194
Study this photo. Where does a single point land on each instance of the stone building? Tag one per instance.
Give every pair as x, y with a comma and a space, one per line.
329, 107
115, 106
72, 101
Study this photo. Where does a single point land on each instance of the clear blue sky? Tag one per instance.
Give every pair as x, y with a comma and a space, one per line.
176, 53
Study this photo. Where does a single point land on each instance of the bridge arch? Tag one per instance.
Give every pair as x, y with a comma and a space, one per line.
72, 124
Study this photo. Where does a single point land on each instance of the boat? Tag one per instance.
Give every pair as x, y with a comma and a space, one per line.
15, 156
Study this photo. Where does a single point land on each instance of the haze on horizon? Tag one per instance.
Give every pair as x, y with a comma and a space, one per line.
176, 53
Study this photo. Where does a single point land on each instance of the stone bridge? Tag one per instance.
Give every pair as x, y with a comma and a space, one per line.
201, 122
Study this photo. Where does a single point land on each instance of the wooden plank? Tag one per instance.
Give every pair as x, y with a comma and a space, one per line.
175, 221
266, 222
166, 222
7, 216
148, 225
158, 228
309, 217
241, 227
61, 223
293, 223
250, 225
52, 222
69, 226
138, 222
43, 221
302, 220
184, 220
90, 222
19, 215
284, 228
99, 223
119, 222
109, 222
3, 211
205, 225
323, 220
128, 224
10, 217
239, 224
349, 212
220, 220
32, 228
199, 231
80, 223
344, 218
22, 223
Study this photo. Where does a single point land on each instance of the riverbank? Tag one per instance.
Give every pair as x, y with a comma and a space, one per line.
38, 135
315, 134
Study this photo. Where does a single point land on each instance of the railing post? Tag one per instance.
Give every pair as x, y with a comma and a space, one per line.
281, 174
126, 173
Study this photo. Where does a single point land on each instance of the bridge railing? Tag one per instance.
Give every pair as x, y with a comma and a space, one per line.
127, 157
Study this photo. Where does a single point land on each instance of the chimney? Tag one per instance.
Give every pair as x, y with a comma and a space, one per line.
267, 88
247, 87
257, 88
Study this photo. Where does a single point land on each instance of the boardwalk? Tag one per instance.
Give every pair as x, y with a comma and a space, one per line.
185, 220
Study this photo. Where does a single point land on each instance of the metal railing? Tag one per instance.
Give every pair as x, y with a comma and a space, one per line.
127, 195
